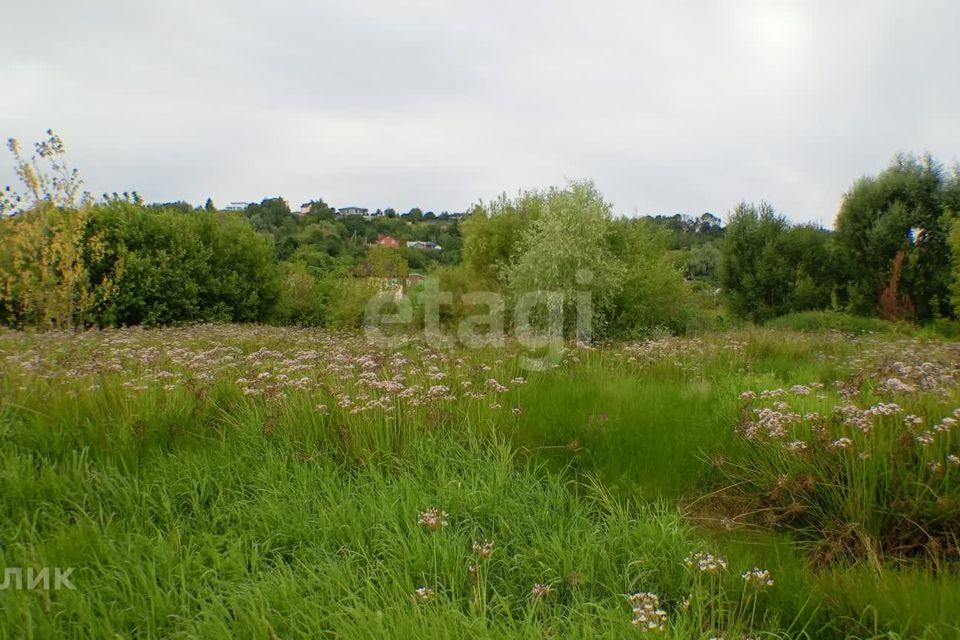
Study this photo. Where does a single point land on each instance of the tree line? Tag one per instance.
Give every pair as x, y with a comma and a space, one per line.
68, 260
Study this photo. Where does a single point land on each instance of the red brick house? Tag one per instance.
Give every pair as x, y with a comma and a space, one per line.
388, 241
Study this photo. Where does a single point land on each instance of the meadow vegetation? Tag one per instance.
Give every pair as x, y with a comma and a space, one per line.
217, 481
740, 430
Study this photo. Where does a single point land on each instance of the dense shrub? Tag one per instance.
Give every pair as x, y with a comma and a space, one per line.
955, 253
448, 290
303, 299
566, 241
56, 267
492, 231
769, 268
181, 267
349, 298
164, 264
907, 208
652, 292
568, 249
120, 263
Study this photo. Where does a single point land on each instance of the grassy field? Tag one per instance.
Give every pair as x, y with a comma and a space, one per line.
254, 482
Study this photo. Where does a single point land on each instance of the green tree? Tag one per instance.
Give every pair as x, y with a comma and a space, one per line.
566, 249
384, 262
302, 298
273, 216
492, 231
242, 277
321, 210
906, 208
651, 291
185, 267
164, 263
769, 268
955, 249
703, 262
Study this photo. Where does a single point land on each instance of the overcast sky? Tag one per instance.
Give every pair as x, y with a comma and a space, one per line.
668, 106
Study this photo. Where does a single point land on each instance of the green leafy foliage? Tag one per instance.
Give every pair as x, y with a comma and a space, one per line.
566, 241
567, 249
302, 298
955, 252
769, 268
905, 208
185, 267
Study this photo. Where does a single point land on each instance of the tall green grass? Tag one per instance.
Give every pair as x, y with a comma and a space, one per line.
246, 537
836, 321
200, 511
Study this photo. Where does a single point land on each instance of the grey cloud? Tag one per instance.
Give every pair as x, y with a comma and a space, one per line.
670, 107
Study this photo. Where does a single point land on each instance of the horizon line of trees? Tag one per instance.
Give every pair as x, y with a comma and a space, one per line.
69, 261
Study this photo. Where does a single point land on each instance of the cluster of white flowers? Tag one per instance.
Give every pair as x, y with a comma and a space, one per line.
483, 549
883, 409
681, 352
759, 578
540, 590
854, 416
342, 371
423, 594
706, 562
433, 519
439, 391
769, 423
647, 614
896, 385
945, 425
926, 376
841, 443
496, 386
768, 394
